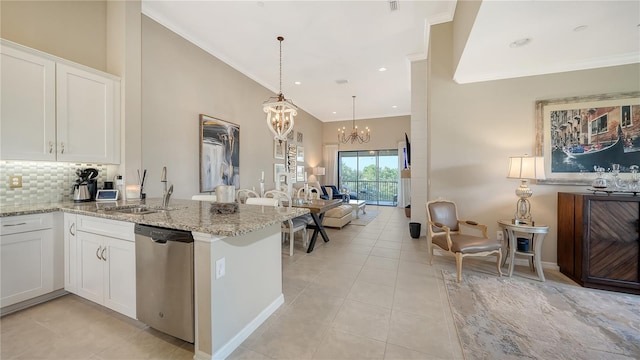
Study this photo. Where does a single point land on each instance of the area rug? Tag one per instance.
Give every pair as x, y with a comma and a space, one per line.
365, 218
511, 318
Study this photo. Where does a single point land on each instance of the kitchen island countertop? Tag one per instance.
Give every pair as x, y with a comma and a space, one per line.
189, 215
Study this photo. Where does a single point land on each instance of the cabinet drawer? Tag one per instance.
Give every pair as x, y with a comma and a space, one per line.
113, 228
24, 223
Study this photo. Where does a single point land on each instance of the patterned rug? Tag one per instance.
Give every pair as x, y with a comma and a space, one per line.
511, 318
364, 218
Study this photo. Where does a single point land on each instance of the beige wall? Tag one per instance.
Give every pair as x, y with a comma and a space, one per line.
385, 132
474, 128
181, 81
73, 30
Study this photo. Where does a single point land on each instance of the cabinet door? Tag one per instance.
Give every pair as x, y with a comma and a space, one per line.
90, 282
26, 265
70, 249
120, 289
88, 122
612, 243
27, 107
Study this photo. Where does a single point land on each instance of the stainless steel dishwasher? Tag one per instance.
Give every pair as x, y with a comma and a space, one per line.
164, 280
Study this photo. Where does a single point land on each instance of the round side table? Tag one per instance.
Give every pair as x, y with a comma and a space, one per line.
535, 248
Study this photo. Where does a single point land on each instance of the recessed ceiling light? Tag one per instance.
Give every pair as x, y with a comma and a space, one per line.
334, 113
394, 106
520, 42
297, 82
382, 69
580, 28
342, 81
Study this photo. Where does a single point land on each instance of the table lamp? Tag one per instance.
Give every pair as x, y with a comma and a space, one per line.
318, 171
525, 168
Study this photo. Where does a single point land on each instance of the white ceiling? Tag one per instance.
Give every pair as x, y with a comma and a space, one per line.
327, 41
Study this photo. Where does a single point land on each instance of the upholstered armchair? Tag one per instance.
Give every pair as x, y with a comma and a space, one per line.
445, 231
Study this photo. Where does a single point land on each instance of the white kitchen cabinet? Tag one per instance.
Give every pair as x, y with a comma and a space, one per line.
106, 263
53, 109
30, 257
70, 230
86, 105
28, 106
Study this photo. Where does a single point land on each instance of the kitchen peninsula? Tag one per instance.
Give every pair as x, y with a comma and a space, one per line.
228, 308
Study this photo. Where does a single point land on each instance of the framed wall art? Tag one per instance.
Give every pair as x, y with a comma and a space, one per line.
279, 149
219, 153
300, 173
577, 134
277, 170
300, 154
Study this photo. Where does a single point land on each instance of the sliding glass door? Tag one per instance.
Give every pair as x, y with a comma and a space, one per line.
370, 175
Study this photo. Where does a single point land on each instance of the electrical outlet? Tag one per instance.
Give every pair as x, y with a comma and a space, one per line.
15, 181
220, 268
500, 234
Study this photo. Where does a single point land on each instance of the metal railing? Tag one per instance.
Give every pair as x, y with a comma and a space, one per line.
374, 192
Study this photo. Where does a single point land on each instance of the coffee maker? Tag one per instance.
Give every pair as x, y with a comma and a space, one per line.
86, 186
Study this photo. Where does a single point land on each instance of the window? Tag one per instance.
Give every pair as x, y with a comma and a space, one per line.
370, 175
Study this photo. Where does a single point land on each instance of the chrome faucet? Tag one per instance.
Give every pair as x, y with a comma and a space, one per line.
167, 197
166, 194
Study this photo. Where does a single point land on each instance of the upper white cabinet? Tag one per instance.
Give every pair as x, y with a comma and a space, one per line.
28, 112
53, 109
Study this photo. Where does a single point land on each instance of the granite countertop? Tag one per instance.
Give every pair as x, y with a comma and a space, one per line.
187, 215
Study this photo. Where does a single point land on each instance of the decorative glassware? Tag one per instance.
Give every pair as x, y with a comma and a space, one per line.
634, 183
618, 182
600, 182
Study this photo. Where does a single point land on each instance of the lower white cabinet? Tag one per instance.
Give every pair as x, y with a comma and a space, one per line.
70, 231
30, 257
105, 262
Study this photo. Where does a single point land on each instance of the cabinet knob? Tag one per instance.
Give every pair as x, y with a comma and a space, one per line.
98, 252
50, 147
102, 254
62, 148
72, 228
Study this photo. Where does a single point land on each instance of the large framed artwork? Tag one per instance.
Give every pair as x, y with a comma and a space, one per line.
219, 153
577, 134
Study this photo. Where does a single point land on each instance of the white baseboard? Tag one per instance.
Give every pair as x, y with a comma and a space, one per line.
31, 302
241, 336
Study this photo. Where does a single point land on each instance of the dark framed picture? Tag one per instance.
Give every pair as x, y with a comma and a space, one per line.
576, 135
219, 153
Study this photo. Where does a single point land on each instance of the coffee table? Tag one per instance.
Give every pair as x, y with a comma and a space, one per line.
357, 205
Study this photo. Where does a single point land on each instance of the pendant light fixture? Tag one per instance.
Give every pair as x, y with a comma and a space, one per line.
280, 111
362, 137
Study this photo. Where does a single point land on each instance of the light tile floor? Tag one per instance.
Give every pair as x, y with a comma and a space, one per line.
369, 293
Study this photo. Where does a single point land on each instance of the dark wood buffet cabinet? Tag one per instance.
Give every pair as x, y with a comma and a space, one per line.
599, 240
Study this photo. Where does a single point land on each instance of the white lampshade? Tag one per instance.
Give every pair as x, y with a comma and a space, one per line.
526, 167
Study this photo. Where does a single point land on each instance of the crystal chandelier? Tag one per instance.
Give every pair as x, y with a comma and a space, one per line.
353, 137
280, 111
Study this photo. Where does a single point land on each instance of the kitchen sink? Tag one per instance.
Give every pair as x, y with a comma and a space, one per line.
134, 209
138, 210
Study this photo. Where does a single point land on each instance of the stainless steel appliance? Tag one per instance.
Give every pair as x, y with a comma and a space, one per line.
85, 187
164, 280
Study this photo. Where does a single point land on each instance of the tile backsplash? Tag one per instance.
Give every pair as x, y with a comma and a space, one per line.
42, 182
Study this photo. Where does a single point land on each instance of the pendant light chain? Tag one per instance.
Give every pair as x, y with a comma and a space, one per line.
280, 39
